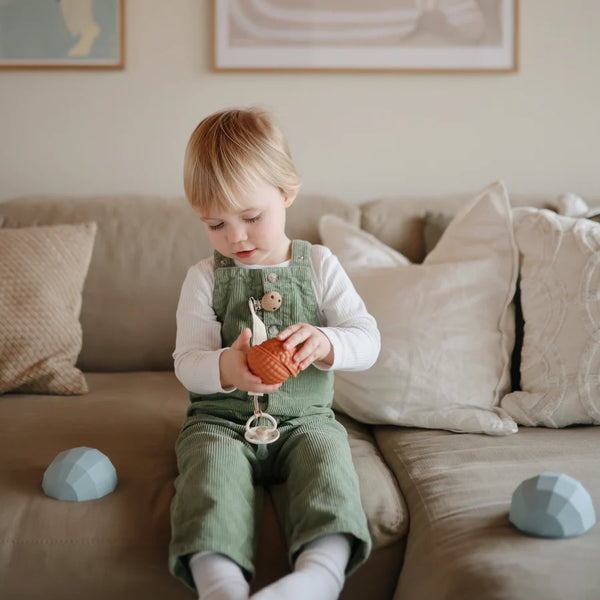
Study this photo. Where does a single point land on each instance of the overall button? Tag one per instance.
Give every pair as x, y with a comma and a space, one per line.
272, 277
271, 301
273, 331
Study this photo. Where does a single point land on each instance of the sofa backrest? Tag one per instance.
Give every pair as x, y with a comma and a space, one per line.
145, 244
400, 221
143, 248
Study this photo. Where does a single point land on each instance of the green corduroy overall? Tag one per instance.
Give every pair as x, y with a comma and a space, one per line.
219, 490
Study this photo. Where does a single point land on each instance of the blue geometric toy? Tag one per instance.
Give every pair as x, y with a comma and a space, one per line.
552, 505
79, 474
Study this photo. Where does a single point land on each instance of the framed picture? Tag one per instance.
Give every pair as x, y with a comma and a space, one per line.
365, 35
62, 34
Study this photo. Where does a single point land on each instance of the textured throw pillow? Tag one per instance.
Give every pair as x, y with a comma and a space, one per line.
447, 329
42, 272
560, 298
355, 248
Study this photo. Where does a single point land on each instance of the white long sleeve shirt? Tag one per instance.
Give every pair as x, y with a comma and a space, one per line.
343, 318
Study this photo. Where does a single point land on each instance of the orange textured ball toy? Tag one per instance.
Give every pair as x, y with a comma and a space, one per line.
271, 362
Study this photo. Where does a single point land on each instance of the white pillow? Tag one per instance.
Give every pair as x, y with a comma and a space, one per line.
560, 298
447, 329
571, 205
355, 248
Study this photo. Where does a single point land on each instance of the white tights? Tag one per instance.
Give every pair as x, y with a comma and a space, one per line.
318, 574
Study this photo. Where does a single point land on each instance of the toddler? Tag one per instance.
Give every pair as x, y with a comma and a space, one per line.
240, 179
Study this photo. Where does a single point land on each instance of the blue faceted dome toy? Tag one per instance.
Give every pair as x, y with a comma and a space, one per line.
552, 505
79, 474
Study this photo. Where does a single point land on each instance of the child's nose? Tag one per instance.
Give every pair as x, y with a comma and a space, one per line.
237, 233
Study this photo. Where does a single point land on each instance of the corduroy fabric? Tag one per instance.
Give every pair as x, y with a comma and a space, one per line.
219, 490
312, 390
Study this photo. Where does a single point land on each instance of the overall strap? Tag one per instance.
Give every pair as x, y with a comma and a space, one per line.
300, 253
222, 261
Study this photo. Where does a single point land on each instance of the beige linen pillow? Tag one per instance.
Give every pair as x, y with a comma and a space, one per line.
447, 329
42, 272
560, 297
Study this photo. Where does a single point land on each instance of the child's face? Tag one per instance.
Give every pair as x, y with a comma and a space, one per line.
254, 233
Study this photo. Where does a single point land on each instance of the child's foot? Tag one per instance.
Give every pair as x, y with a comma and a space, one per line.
301, 586
217, 577
319, 572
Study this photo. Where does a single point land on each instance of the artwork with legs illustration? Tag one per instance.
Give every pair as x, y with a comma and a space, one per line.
62, 34
385, 35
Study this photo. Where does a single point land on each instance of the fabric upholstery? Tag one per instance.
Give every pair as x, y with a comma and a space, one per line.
458, 489
133, 418
100, 548
42, 272
399, 221
380, 495
457, 486
433, 228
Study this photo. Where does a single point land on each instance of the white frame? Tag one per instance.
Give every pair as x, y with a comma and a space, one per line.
311, 56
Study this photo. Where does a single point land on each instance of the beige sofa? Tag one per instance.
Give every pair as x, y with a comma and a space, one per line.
437, 502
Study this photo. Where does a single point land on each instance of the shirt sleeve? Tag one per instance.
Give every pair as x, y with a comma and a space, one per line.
198, 341
350, 328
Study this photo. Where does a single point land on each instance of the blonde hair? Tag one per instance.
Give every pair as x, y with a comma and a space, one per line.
233, 150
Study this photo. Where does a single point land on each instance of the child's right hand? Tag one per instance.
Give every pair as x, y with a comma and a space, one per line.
234, 368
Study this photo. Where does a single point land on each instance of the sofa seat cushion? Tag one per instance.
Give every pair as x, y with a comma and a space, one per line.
381, 497
92, 549
458, 489
118, 544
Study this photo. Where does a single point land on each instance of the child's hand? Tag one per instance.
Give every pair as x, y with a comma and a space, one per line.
311, 344
234, 368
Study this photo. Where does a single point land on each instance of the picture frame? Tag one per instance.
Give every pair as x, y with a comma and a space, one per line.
62, 34
387, 35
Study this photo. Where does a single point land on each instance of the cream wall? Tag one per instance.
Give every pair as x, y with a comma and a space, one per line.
354, 135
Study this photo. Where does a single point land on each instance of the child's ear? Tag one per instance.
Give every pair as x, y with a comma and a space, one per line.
288, 199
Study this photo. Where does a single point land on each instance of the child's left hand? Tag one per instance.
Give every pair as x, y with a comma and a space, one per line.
311, 344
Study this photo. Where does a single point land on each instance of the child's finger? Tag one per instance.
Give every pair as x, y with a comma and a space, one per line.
255, 384
271, 388
285, 334
306, 356
263, 388
314, 349
242, 342
298, 337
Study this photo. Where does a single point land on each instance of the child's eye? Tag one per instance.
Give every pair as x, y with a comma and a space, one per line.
253, 219
215, 227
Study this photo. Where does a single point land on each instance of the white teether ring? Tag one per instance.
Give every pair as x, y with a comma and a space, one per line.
261, 434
